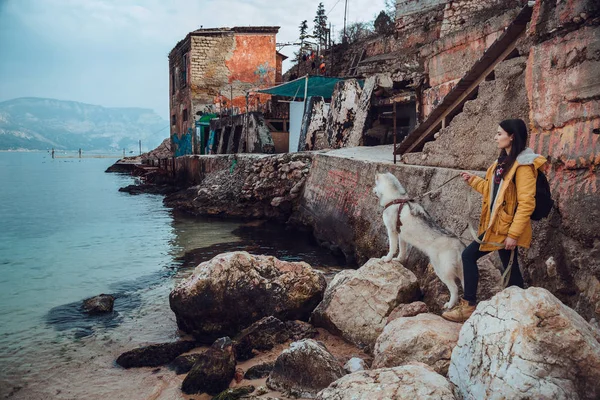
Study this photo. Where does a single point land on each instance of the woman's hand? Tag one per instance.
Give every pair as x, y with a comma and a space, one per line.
510, 243
466, 176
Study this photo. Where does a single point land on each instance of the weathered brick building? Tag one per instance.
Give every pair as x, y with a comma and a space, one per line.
212, 70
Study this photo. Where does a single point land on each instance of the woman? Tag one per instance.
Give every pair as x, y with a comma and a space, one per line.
508, 191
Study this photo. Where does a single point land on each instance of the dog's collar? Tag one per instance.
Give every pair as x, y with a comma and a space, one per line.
397, 201
402, 202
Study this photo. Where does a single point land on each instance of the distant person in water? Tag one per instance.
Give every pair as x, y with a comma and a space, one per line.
79, 153
53, 152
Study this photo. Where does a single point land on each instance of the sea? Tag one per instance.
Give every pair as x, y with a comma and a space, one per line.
67, 234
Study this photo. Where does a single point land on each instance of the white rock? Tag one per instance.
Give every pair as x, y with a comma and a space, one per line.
526, 344
426, 338
356, 303
354, 364
408, 382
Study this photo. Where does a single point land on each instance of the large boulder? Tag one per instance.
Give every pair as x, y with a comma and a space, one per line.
303, 369
213, 371
154, 354
426, 338
233, 290
526, 344
408, 382
357, 303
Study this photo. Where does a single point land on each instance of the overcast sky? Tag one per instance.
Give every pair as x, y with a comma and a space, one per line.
114, 52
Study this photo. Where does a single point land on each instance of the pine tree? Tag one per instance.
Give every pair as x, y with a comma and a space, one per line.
303, 35
383, 24
303, 29
320, 28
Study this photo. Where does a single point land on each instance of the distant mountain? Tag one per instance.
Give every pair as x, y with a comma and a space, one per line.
40, 124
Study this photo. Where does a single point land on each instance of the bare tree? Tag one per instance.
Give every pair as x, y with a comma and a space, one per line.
358, 31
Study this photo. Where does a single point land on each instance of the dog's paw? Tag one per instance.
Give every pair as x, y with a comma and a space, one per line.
449, 305
386, 258
400, 259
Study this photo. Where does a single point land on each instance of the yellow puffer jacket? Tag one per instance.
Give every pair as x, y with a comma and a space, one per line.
506, 219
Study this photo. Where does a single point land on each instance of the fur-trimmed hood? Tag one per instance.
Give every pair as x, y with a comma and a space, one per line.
529, 157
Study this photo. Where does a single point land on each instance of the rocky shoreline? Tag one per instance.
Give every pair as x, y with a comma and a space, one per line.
518, 344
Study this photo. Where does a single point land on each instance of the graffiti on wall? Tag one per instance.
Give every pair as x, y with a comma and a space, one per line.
339, 189
263, 71
182, 145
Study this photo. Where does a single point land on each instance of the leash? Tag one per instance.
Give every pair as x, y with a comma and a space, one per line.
436, 189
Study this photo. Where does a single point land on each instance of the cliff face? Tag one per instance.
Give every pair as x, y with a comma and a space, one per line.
38, 124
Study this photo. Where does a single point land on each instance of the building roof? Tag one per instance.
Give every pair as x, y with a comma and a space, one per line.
283, 56
236, 29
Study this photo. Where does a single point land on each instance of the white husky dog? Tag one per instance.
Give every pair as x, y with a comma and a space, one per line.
419, 230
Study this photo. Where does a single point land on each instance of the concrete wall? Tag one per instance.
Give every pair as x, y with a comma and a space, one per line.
339, 205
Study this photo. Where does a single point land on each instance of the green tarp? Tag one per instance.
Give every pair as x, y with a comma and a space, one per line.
317, 86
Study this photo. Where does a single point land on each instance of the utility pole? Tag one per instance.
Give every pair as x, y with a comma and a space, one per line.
345, 12
140, 147
330, 51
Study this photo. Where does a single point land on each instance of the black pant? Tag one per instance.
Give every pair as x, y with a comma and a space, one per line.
471, 273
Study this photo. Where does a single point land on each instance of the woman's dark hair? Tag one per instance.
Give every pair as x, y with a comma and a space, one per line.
517, 129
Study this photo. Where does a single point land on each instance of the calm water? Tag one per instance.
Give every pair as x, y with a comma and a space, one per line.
66, 234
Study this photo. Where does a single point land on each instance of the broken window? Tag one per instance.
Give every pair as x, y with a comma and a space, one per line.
185, 115
173, 119
183, 71
172, 81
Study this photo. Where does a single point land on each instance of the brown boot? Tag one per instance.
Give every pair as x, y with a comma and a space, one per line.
460, 313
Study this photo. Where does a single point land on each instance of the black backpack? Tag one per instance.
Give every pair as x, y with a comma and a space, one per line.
543, 198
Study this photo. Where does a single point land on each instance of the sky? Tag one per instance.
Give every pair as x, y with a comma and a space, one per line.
114, 52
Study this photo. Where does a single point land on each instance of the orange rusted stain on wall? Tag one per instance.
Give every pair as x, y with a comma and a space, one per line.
253, 60
563, 85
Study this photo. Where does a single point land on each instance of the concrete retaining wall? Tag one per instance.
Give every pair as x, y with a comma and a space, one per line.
339, 205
